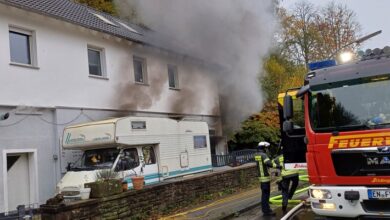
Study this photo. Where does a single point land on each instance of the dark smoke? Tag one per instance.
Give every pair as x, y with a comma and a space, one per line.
189, 99
234, 34
140, 97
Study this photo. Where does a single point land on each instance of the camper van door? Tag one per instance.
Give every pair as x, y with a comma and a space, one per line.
150, 166
129, 163
132, 160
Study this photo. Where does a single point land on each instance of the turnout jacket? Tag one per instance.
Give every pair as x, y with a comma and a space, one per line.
263, 163
279, 162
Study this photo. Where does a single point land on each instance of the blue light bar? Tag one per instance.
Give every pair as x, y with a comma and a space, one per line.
321, 64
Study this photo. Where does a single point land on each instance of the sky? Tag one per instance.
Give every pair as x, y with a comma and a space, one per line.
371, 14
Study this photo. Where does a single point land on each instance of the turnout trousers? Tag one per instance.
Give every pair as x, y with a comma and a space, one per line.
287, 192
265, 194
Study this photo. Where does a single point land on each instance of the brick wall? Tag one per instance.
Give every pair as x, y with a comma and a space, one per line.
157, 200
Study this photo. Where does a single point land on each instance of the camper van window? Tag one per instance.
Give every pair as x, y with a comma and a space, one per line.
138, 124
129, 160
200, 141
100, 158
149, 156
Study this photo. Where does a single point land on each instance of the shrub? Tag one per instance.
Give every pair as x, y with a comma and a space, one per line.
106, 174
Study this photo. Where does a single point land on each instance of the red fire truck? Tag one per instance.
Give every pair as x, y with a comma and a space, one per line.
346, 135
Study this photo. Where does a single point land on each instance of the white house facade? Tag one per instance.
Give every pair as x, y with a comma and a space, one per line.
56, 72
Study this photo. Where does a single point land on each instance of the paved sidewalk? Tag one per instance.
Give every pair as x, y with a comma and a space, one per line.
221, 208
256, 214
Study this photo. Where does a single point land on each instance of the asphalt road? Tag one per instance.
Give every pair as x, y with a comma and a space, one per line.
303, 214
256, 214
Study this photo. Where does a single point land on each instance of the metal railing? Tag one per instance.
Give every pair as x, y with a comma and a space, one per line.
233, 159
22, 213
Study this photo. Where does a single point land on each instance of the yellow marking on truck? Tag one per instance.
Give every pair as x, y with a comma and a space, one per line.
380, 180
360, 140
292, 93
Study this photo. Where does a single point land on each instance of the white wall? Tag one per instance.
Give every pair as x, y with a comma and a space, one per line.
62, 78
31, 133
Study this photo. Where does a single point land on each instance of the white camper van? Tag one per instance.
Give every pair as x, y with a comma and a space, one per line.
160, 147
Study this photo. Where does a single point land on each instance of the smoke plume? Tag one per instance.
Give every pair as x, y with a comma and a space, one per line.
233, 34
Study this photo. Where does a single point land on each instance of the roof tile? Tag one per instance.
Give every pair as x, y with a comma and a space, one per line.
82, 15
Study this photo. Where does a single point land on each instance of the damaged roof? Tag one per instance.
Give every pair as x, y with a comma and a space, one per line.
82, 15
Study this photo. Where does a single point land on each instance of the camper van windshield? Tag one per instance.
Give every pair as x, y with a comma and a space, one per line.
99, 158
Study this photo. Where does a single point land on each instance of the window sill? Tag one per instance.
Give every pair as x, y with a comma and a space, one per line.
24, 65
141, 84
172, 88
98, 77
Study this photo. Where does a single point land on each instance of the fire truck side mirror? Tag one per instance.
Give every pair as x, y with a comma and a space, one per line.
288, 126
288, 107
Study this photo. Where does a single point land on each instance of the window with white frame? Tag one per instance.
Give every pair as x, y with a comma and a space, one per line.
140, 74
22, 46
173, 77
200, 141
96, 62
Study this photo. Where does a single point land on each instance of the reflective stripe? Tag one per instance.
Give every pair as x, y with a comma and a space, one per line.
261, 168
285, 173
281, 160
263, 174
264, 179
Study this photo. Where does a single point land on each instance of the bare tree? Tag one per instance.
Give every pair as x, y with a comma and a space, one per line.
338, 27
310, 34
299, 32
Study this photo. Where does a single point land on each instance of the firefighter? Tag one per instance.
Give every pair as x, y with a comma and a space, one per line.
286, 177
263, 164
